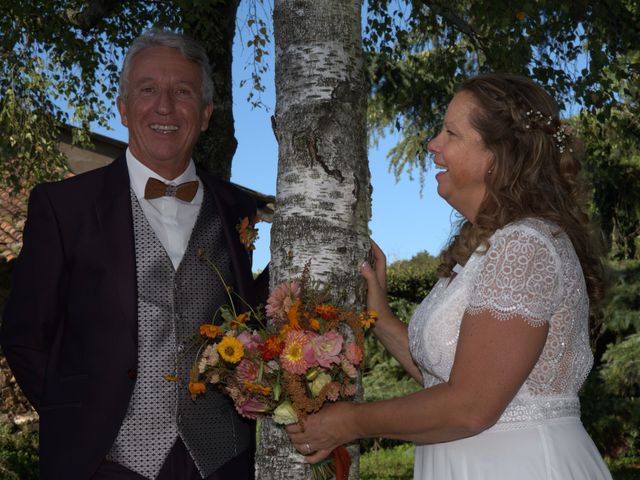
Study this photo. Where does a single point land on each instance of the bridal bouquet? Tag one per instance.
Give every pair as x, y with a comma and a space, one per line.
287, 361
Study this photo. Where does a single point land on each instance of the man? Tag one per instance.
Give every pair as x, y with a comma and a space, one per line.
110, 286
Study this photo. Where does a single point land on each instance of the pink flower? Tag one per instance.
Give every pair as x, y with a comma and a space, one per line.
354, 353
333, 391
246, 371
349, 390
213, 376
348, 368
326, 348
283, 297
309, 351
235, 394
292, 356
251, 407
210, 355
250, 342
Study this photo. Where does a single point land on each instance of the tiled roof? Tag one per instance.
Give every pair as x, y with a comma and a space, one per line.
13, 212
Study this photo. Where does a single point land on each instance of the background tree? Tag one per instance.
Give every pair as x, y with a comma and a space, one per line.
323, 187
419, 50
612, 164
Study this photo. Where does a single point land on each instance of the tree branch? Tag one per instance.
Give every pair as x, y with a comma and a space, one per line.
89, 17
455, 21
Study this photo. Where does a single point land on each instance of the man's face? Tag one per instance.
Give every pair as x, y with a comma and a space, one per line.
164, 111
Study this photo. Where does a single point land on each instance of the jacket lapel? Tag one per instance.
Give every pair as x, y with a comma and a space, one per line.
113, 208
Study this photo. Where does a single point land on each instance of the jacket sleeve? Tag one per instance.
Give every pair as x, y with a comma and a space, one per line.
34, 308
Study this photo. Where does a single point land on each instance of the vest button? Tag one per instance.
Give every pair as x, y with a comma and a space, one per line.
132, 374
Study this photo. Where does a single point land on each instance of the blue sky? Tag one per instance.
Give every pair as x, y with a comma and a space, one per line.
403, 223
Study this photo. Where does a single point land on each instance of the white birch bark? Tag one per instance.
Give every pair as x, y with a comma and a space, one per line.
323, 199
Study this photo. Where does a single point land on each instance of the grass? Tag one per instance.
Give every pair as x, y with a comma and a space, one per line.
625, 469
397, 464
19, 460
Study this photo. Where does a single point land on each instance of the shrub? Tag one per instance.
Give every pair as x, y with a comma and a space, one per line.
388, 464
18, 453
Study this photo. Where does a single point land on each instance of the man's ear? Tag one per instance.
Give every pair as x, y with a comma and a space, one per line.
122, 108
208, 111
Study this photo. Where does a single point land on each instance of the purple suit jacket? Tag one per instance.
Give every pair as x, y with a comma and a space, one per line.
69, 329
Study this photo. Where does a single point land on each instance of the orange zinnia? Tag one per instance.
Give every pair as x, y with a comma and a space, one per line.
257, 388
314, 324
196, 388
294, 316
248, 234
211, 331
271, 348
327, 312
240, 320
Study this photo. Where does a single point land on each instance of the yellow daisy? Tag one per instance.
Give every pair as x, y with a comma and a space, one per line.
230, 349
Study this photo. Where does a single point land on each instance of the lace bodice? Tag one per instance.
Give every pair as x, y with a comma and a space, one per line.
530, 269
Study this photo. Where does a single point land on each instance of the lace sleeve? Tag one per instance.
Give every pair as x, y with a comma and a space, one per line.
520, 276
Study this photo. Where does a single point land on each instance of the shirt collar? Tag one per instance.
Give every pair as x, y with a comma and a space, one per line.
140, 173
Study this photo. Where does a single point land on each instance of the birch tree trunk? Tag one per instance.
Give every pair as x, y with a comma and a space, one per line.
323, 189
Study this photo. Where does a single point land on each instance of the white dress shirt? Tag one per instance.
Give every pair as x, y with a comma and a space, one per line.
171, 219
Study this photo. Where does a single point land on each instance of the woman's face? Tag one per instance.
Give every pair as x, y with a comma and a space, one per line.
462, 157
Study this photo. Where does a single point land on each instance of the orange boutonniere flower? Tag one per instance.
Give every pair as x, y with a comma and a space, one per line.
248, 232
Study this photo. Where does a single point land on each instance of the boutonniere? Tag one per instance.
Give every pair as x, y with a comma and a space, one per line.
248, 232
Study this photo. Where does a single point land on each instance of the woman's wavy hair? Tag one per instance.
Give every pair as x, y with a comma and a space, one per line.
535, 173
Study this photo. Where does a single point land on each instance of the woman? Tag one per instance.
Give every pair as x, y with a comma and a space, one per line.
501, 344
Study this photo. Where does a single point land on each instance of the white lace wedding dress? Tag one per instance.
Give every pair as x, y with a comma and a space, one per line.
531, 269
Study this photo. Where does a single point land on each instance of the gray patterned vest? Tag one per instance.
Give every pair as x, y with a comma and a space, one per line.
172, 304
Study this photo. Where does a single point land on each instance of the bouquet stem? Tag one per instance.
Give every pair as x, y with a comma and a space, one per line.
337, 466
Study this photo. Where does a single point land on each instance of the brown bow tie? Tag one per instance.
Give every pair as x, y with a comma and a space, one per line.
156, 189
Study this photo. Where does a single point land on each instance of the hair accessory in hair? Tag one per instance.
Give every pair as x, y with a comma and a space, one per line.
561, 133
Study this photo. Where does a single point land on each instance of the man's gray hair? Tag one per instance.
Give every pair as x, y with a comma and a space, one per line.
190, 49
